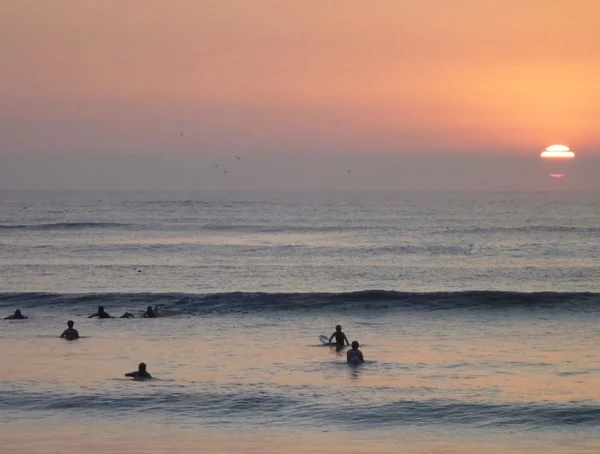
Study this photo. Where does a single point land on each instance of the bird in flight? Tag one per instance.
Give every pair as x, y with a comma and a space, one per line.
238, 157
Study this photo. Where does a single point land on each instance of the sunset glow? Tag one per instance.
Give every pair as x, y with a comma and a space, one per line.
156, 94
556, 175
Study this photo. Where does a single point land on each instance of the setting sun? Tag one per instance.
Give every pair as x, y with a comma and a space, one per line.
557, 151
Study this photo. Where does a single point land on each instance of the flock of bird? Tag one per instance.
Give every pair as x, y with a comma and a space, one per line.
238, 158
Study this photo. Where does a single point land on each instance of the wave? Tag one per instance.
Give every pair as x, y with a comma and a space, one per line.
203, 203
520, 229
246, 302
287, 228
266, 226
255, 408
63, 226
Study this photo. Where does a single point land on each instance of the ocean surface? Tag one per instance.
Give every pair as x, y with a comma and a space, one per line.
478, 315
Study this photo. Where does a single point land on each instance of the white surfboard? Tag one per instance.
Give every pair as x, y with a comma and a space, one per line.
324, 339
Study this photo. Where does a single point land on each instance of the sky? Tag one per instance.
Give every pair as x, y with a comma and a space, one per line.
434, 94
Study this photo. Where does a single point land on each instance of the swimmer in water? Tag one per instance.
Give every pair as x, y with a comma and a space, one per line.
354, 355
340, 337
101, 313
151, 313
140, 374
127, 315
16, 316
70, 333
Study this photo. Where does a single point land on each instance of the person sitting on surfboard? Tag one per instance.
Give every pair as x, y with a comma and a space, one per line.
340, 337
151, 313
127, 315
16, 316
101, 313
139, 374
354, 355
70, 333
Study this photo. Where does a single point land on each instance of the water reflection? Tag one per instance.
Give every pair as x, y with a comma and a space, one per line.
228, 373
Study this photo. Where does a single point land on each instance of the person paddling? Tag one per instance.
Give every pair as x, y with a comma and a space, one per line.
140, 374
101, 313
16, 316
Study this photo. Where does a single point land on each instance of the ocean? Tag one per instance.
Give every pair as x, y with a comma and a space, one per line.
477, 315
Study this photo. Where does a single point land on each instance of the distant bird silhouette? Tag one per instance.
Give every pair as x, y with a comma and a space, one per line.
239, 157
181, 134
225, 171
216, 167
349, 171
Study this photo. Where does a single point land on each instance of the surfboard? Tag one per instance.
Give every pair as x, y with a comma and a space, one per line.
324, 339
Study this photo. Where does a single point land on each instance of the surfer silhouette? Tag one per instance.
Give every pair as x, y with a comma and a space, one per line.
16, 316
354, 355
151, 313
140, 374
70, 333
101, 313
340, 337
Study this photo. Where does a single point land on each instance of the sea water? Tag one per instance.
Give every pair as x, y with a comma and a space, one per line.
477, 315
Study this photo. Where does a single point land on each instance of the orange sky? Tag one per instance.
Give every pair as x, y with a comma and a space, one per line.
279, 75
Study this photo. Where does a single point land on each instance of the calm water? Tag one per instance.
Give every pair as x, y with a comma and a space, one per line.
477, 316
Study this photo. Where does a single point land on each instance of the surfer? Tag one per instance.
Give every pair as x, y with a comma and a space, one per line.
101, 313
151, 313
16, 316
70, 333
127, 315
354, 355
340, 337
139, 374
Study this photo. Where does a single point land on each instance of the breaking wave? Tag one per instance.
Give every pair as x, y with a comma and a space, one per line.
367, 300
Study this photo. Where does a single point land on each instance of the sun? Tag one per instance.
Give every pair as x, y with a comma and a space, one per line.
558, 151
